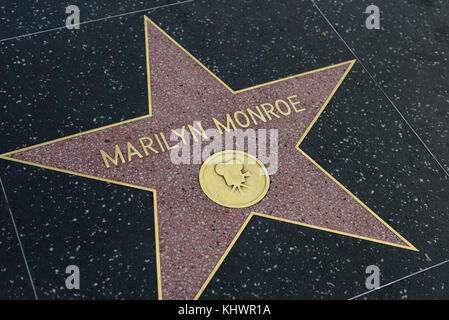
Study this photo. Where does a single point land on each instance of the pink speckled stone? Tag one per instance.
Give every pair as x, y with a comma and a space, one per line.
194, 232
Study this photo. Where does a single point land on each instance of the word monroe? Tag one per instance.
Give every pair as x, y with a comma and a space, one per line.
239, 119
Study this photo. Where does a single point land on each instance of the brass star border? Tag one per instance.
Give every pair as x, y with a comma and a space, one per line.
147, 21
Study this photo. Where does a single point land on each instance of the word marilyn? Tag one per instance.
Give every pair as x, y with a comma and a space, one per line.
158, 143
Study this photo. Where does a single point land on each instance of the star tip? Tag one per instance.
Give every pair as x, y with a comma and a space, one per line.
5, 155
148, 20
352, 63
409, 246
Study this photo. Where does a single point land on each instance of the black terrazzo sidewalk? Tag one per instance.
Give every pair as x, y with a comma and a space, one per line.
63, 82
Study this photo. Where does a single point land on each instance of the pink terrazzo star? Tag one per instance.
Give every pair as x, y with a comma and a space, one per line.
194, 232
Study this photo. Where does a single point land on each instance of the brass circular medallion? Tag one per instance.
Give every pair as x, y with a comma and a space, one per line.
234, 179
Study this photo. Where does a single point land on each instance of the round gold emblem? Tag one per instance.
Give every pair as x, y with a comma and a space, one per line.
234, 179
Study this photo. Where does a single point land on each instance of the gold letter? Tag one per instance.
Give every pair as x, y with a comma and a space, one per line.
148, 146
159, 142
118, 153
268, 112
294, 103
279, 108
181, 135
201, 133
238, 121
219, 125
166, 143
260, 116
132, 151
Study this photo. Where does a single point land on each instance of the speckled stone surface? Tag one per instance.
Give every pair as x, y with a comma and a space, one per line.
106, 230
364, 144
429, 285
193, 231
69, 79
19, 18
276, 260
359, 139
246, 43
14, 281
408, 56
64, 82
